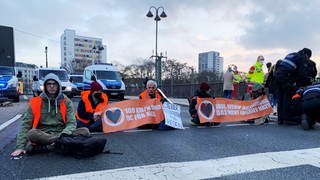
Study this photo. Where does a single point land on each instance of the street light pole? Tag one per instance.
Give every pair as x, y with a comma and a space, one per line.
157, 58
94, 54
46, 50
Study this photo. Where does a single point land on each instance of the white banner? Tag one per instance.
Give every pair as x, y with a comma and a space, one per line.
172, 115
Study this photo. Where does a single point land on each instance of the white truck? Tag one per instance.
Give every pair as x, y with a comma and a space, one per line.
9, 86
37, 86
107, 76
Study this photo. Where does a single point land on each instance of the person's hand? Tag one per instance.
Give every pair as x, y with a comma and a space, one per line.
97, 116
18, 152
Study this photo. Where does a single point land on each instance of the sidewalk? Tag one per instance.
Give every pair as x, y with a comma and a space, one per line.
180, 101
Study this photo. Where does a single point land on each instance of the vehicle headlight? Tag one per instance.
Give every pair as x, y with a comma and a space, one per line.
123, 86
41, 88
69, 88
12, 85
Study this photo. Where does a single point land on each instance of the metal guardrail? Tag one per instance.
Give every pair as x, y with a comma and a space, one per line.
187, 90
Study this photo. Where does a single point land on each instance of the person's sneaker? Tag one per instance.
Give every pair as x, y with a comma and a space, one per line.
259, 121
193, 123
29, 148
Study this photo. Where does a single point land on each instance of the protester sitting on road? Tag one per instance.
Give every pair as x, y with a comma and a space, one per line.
203, 92
257, 91
152, 92
89, 108
47, 117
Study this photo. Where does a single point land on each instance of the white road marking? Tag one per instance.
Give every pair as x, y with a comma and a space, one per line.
137, 130
7, 123
208, 168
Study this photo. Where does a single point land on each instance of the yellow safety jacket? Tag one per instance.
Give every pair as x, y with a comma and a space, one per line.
255, 73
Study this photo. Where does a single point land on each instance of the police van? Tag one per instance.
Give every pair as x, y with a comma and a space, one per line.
77, 80
107, 76
9, 86
38, 80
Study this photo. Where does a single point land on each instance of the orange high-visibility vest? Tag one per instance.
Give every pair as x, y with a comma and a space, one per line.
35, 105
145, 95
89, 109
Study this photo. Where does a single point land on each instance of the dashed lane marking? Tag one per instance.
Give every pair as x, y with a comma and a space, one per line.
208, 168
7, 123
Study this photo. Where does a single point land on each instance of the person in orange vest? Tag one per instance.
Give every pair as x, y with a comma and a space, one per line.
150, 93
90, 108
47, 117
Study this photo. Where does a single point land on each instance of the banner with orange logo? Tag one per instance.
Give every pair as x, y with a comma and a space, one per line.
229, 110
130, 114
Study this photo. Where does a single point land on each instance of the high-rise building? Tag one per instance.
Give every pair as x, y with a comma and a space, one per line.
210, 62
77, 52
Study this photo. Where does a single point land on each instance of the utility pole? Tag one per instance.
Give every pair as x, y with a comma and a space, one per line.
46, 50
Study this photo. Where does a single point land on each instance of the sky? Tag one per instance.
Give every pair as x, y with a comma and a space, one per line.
240, 30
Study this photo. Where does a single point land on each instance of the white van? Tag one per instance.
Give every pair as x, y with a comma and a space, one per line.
108, 77
37, 86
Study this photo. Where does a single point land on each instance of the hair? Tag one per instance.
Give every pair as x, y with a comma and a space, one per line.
259, 57
152, 82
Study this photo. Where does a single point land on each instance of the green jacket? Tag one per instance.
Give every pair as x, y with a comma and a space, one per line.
50, 119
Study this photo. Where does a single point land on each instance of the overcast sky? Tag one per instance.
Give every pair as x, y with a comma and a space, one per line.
239, 29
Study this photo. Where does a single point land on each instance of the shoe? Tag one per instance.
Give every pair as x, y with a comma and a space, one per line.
259, 121
32, 149
216, 124
193, 123
304, 122
29, 147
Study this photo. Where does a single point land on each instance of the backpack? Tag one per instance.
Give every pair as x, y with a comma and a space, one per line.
79, 146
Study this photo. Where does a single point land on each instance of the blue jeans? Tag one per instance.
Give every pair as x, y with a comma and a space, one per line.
227, 94
273, 99
93, 127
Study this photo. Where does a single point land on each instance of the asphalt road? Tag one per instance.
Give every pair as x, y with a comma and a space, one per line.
138, 150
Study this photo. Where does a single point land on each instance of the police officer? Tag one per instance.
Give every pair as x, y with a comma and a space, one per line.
291, 69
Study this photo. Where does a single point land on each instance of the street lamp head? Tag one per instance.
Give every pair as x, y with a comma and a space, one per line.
157, 18
101, 48
163, 14
149, 14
